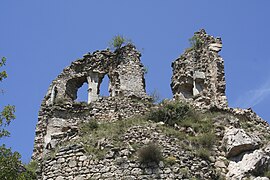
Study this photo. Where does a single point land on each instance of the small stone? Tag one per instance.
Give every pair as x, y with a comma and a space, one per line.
82, 158
220, 164
61, 160
60, 178
161, 164
72, 163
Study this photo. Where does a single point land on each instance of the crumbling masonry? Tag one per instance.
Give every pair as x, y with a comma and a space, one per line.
198, 74
57, 116
198, 78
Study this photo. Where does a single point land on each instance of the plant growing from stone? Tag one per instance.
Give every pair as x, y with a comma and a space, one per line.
195, 42
118, 41
170, 113
150, 153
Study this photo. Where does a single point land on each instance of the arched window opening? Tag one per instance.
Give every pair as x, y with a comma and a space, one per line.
82, 93
104, 87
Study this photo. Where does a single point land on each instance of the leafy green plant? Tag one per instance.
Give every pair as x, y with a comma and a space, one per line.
206, 140
88, 127
195, 42
32, 166
11, 167
150, 153
118, 41
170, 113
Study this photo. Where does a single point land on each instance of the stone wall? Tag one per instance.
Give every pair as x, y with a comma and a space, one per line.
198, 78
72, 162
60, 113
198, 74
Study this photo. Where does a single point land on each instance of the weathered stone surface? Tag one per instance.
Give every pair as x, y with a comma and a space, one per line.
198, 78
237, 141
261, 178
59, 113
253, 163
198, 74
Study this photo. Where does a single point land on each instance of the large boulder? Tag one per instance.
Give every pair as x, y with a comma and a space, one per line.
237, 141
254, 163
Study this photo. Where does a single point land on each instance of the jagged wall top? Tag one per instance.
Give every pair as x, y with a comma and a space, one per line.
123, 67
198, 74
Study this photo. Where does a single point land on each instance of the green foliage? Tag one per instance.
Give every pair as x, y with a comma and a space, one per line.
3, 74
267, 173
6, 116
11, 167
195, 42
206, 140
172, 132
118, 41
32, 167
170, 113
203, 153
9, 163
107, 131
88, 127
150, 153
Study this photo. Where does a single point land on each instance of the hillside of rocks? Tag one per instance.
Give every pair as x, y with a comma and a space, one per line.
128, 135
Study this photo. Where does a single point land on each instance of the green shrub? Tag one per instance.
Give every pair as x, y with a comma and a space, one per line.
206, 140
203, 153
88, 127
195, 42
170, 113
118, 41
150, 153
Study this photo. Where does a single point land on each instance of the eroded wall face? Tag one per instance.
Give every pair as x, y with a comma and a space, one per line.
126, 76
198, 74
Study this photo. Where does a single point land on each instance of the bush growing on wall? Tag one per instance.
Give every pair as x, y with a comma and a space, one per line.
170, 113
118, 41
195, 42
150, 153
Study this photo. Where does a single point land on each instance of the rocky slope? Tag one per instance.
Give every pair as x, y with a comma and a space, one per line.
126, 136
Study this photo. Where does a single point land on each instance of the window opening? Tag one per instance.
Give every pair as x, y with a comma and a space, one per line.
104, 87
82, 93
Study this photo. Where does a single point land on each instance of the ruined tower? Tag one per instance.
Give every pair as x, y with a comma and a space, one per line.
198, 74
108, 137
60, 114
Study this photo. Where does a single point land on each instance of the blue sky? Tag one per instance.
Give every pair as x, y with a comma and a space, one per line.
40, 38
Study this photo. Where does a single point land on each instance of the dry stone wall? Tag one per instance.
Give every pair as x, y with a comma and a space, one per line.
198, 74
240, 150
60, 113
72, 162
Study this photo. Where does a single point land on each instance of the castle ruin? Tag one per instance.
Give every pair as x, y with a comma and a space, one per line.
198, 79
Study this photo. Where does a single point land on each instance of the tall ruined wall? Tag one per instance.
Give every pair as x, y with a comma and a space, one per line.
225, 143
198, 74
60, 114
